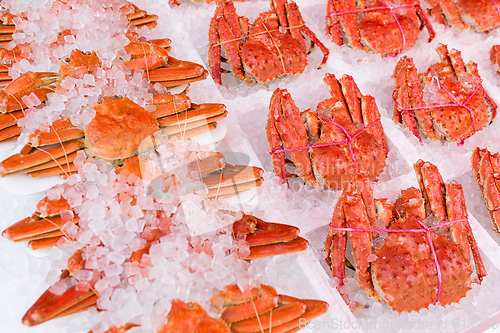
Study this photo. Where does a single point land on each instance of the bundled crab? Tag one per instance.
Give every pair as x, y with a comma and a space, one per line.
481, 16
447, 102
342, 136
381, 27
424, 257
271, 47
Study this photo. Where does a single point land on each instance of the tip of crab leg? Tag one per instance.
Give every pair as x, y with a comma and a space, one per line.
50, 306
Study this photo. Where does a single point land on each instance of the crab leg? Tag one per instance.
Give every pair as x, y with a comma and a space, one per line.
183, 125
18, 162
197, 112
233, 183
433, 188
289, 308
11, 96
28, 229
267, 300
484, 166
286, 118
181, 72
462, 232
226, 27
167, 105
348, 22
50, 306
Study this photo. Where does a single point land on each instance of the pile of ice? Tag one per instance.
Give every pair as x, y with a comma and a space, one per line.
192, 268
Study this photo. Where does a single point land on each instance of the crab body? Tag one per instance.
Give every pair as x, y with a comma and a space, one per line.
347, 124
273, 46
373, 26
403, 271
458, 104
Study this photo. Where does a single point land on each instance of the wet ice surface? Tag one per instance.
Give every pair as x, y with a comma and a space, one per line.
25, 275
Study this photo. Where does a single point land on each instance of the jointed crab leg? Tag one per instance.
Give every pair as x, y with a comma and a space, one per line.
266, 238
44, 228
50, 306
484, 166
261, 309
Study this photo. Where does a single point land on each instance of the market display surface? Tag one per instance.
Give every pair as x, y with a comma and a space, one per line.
156, 241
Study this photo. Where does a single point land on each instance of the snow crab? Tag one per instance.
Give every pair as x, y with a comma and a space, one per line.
485, 168
262, 308
482, 16
447, 102
342, 136
273, 46
115, 133
46, 227
406, 270
266, 238
381, 27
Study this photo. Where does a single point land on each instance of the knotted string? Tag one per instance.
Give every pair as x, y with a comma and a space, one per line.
457, 104
426, 230
391, 9
348, 141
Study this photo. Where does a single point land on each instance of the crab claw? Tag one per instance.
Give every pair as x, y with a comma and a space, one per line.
267, 239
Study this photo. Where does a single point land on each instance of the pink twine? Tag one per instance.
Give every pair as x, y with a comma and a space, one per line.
458, 104
426, 230
379, 8
348, 141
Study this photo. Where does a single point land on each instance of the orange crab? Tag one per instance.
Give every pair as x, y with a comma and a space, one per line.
447, 102
272, 47
485, 168
414, 266
480, 15
266, 239
115, 133
262, 308
342, 136
381, 27
45, 228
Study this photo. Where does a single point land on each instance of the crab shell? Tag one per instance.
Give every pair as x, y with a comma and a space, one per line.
376, 30
118, 128
480, 15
